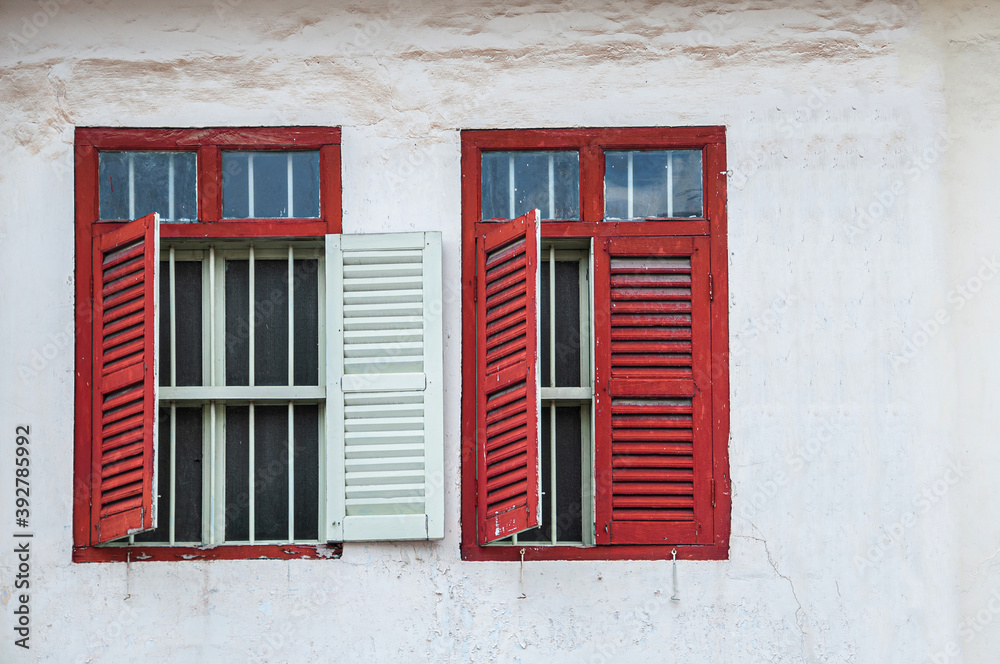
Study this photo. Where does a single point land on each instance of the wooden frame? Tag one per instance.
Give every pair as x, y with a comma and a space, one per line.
591, 145
208, 143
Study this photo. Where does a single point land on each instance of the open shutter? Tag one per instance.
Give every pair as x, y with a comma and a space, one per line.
124, 409
507, 387
385, 420
654, 427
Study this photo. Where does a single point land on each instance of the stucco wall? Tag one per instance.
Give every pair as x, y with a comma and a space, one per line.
862, 138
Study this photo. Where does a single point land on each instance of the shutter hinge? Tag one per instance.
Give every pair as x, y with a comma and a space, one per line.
711, 288
713, 493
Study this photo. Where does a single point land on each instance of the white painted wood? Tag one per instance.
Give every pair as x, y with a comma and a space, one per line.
384, 449
259, 394
332, 529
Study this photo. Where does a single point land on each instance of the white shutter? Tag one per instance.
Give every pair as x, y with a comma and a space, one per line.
385, 424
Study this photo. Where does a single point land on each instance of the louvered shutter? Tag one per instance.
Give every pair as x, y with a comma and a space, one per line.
124, 384
654, 434
508, 392
385, 422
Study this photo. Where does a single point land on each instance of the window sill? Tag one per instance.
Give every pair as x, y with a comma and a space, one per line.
139, 553
617, 552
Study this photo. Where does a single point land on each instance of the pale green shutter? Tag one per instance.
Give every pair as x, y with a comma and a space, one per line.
384, 428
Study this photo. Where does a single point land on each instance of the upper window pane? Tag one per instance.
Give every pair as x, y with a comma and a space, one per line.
515, 183
270, 185
652, 183
136, 183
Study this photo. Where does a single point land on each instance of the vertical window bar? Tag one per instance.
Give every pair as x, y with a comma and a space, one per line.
131, 186
552, 186
291, 315
631, 194
553, 531
250, 212
510, 183
170, 188
552, 382
670, 183
291, 188
291, 472
252, 319
172, 287
211, 313
251, 442
213, 472
173, 465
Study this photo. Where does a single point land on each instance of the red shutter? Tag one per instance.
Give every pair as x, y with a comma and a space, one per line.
124, 410
507, 398
654, 400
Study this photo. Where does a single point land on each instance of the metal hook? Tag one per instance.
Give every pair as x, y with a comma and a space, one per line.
674, 597
522, 595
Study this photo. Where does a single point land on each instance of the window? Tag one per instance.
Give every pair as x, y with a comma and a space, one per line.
250, 383
595, 344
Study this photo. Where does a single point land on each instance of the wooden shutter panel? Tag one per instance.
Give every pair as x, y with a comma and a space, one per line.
385, 419
124, 409
508, 391
654, 399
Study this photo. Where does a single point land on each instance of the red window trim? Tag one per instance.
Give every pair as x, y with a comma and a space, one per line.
208, 142
591, 143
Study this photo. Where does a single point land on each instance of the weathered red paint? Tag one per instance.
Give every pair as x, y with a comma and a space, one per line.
507, 324
140, 553
208, 143
706, 536
124, 392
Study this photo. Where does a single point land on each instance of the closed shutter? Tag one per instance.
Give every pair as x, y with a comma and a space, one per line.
654, 426
385, 423
507, 398
124, 411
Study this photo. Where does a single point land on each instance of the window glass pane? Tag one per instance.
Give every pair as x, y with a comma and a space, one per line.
237, 322
189, 474
567, 351
235, 186
237, 473
136, 183
516, 182
569, 475
653, 183
270, 185
306, 286
114, 185
271, 472
187, 299
306, 472
543, 533
305, 178
163, 489
270, 322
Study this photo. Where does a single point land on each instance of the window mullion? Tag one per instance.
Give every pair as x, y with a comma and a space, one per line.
171, 534
251, 353
172, 288
131, 185
291, 188
251, 498
291, 471
170, 187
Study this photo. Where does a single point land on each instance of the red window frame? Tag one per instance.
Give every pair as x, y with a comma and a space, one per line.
591, 144
208, 144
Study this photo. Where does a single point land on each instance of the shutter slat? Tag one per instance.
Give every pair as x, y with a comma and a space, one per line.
507, 396
124, 385
385, 433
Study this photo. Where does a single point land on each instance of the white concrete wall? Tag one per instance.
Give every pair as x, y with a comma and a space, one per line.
863, 140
